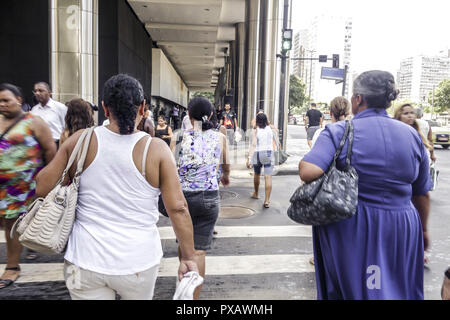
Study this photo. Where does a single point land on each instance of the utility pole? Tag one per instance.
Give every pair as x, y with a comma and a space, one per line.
283, 57
310, 72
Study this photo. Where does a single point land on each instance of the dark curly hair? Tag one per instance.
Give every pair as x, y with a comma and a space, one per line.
200, 109
123, 95
261, 120
79, 116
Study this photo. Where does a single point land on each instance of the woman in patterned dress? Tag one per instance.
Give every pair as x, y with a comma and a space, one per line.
200, 153
24, 150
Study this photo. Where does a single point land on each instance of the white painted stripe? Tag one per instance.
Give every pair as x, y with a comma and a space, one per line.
215, 266
167, 233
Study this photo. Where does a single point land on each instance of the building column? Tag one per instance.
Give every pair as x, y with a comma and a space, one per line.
270, 58
240, 75
74, 49
252, 21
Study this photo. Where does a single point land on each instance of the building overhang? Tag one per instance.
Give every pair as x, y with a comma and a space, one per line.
195, 35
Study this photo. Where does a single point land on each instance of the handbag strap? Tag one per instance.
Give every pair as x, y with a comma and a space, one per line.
350, 144
144, 157
341, 144
75, 153
12, 126
84, 151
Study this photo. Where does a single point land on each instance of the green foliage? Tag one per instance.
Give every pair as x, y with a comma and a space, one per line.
298, 101
441, 97
208, 95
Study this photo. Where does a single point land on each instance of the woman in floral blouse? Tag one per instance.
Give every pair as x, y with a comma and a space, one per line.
26, 145
200, 153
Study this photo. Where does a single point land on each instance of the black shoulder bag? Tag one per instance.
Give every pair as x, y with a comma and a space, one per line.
333, 196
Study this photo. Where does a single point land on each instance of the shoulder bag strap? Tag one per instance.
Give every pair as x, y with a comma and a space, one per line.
83, 153
144, 157
350, 145
341, 144
12, 126
75, 153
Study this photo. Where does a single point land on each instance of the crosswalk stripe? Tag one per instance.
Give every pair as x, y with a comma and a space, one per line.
215, 266
167, 233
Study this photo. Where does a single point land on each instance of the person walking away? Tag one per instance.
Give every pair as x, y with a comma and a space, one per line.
229, 121
201, 152
51, 111
176, 117
79, 116
362, 257
146, 123
26, 145
115, 247
163, 130
261, 155
313, 122
339, 111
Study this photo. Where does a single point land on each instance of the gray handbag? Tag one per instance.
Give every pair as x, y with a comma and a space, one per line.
47, 225
333, 196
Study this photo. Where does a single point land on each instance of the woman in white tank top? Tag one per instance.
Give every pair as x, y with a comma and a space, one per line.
115, 246
261, 154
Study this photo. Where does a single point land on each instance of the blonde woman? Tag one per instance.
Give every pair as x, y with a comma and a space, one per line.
339, 110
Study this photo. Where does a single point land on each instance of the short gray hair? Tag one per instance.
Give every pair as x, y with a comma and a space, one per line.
419, 113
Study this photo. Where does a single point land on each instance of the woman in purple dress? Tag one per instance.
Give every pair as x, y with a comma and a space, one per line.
378, 253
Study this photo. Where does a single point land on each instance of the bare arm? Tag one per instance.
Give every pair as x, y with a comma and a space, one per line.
44, 137
176, 205
422, 204
49, 176
225, 161
252, 147
308, 171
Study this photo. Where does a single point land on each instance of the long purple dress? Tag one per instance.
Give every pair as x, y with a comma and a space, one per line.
378, 253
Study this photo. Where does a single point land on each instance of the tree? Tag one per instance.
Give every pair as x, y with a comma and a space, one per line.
441, 97
297, 95
205, 94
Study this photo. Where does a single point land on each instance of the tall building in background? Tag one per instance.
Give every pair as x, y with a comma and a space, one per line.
300, 48
419, 74
328, 35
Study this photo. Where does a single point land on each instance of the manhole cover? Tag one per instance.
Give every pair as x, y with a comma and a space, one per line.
235, 212
225, 195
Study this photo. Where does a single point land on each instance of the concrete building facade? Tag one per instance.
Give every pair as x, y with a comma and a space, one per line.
418, 75
174, 47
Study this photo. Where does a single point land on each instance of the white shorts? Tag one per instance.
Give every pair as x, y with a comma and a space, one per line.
88, 285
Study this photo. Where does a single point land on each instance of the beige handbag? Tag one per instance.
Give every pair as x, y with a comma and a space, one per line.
47, 225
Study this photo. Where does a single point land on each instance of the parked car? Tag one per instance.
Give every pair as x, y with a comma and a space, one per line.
440, 134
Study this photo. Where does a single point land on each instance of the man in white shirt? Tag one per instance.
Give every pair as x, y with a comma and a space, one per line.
51, 111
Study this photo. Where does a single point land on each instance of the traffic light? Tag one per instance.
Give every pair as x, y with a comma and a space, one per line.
287, 40
336, 61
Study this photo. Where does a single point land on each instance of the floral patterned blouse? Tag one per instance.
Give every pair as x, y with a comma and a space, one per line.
20, 162
199, 159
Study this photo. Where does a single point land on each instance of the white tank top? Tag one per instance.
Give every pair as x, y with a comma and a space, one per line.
115, 229
264, 139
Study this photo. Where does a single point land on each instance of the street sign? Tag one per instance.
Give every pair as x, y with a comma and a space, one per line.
332, 73
323, 58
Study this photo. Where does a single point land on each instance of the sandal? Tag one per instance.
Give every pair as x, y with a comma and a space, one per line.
266, 205
253, 196
7, 282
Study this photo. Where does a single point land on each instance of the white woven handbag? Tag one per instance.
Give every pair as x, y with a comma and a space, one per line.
47, 225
